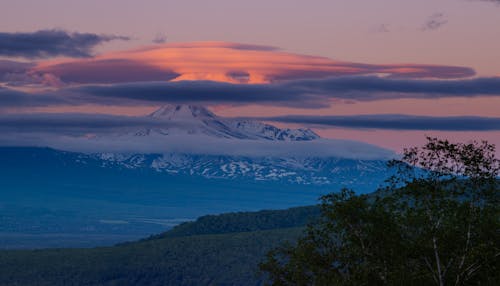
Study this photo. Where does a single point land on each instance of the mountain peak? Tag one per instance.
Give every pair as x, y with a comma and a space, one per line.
199, 120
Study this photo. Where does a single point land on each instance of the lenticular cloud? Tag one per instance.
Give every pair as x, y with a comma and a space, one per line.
234, 63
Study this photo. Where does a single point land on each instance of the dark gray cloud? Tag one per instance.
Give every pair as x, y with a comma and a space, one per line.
154, 93
375, 88
10, 98
434, 22
394, 122
51, 43
435, 72
75, 123
300, 93
11, 71
7, 66
203, 92
16, 73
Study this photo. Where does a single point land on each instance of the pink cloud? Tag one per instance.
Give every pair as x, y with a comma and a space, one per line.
227, 62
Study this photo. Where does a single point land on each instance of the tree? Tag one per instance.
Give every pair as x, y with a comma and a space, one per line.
437, 222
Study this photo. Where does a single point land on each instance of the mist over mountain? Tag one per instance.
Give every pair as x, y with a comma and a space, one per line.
183, 129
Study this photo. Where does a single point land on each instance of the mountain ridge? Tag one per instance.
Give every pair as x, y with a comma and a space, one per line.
198, 120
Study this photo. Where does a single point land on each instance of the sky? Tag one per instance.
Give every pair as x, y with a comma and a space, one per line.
386, 72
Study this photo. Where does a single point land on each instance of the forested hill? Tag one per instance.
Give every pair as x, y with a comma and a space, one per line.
214, 250
245, 222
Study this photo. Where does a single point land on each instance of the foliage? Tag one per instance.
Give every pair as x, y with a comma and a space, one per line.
246, 221
436, 223
210, 251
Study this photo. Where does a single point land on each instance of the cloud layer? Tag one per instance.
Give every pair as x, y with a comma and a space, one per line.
51, 43
75, 123
80, 124
209, 73
395, 122
299, 93
116, 134
233, 63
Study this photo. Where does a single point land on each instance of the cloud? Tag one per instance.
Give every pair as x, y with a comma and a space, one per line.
77, 124
376, 88
80, 124
299, 93
203, 145
434, 22
7, 66
160, 38
395, 122
51, 43
221, 61
202, 92
15, 73
10, 98
154, 93
115, 134
109, 71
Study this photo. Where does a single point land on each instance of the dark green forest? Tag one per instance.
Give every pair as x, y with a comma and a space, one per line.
214, 250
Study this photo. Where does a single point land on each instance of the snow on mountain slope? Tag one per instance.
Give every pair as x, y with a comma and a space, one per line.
265, 131
197, 120
365, 174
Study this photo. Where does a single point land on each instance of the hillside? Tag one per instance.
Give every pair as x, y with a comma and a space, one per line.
214, 250
50, 199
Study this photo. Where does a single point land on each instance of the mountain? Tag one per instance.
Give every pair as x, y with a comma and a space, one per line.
197, 142
197, 120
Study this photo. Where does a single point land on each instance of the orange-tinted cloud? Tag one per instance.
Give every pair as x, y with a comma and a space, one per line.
227, 62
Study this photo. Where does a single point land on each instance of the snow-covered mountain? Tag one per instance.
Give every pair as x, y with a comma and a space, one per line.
243, 149
197, 120
365, 175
